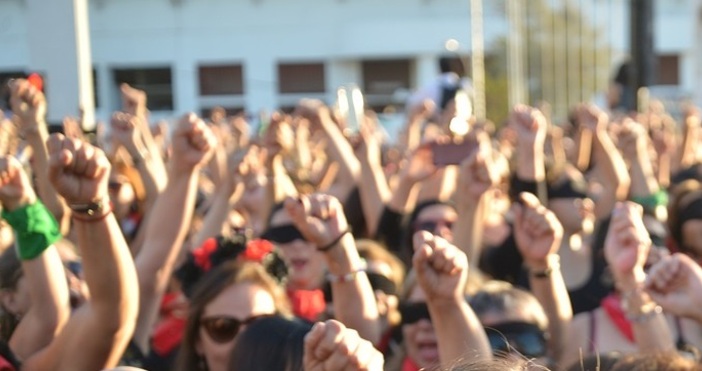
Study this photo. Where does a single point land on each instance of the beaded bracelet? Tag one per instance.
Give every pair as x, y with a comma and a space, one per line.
348, 277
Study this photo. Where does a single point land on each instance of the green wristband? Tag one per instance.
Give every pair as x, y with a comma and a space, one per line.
652, 201
35, 229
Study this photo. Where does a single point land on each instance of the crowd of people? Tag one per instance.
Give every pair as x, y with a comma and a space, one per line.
307, 245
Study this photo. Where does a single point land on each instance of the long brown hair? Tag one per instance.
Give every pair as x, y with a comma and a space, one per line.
211, 286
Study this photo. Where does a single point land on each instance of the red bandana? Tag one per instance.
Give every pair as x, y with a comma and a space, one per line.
409, 365
613, 307
307, 304
202, 254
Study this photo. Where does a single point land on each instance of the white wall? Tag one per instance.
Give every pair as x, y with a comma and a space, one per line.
260, 33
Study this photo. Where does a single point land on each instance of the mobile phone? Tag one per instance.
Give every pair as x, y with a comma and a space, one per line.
452, 153
349, 102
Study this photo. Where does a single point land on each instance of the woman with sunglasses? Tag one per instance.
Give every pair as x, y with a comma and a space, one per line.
228, 298
314, 241
438, 325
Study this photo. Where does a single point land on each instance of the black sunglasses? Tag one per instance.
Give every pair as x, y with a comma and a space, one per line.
282, 234
413, 312
431, 225
223, 329
525, 338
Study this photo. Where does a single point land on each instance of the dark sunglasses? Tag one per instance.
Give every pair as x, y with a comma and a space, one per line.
413, 312
223, 329
114, 186
432, 225
282, 234
525, 338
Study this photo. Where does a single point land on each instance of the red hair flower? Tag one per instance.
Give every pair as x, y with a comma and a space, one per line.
201, 255
257, 250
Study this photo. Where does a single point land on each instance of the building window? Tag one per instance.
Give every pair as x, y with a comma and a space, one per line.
301, 78
668, 69
156, 82
221, 80
382, 79
385, 77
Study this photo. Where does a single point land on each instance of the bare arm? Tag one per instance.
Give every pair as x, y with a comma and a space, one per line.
354, 301
539, 234
97, 334
44, 275
168, 225
626, 249
30, 106
442, 270
374, 189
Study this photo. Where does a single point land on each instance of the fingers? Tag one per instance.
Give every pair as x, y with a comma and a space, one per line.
332, 346
435, 253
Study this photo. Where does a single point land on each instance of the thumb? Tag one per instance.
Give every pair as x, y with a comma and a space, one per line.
529, 200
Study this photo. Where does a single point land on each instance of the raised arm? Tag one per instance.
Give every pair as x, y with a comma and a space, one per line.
98, 332
675, 283
36, 231
442, 271
374, 189
192, 146
320, 218
626, 249
332, 346
29, 105
612, 171
338, 147
476, 176
538, 234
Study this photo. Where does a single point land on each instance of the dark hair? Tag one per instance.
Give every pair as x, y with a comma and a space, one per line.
214, 282
663, 361
270, 344
681, 209
10, 274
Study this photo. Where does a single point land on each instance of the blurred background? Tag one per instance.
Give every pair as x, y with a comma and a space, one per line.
255, 56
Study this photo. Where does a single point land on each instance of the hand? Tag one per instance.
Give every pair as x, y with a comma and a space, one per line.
133, 100
537, 231
591, 117
319, 217
29, 104
125, 130
422, 111
368, 149
419, 165
78, 171
675, 283
530, 125
279, 137
15, 188
632, 139
315, 111
627, 244
477, 174
442, 269
330, 346
193, 144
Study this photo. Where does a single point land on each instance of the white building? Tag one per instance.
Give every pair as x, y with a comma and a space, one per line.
191, 55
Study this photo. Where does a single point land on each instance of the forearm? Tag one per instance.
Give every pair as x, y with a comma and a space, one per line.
166, 231
354, 300
551, 291
340, 150
50, 307
643, 180
151, 171
109, 272
216, 215
458, 331
615, 177
40, 165
468, 230
439, 186
374, 193
404, 196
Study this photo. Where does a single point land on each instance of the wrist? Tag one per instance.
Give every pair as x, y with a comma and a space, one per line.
25, 200
543, 268
627, 281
